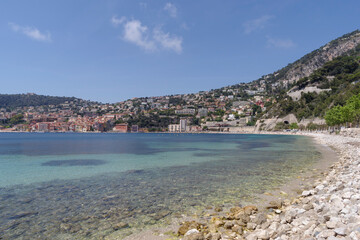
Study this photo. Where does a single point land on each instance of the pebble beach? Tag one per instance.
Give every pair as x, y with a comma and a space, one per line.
325, 206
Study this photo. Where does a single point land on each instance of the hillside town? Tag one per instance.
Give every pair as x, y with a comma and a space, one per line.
225, 109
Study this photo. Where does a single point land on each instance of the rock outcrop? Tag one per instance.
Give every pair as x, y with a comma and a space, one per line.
314, 60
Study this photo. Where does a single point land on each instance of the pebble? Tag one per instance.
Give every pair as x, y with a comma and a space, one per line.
328, 211
340, 231
191, 231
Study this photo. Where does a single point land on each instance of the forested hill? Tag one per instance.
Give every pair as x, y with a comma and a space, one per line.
331, 85
27, 100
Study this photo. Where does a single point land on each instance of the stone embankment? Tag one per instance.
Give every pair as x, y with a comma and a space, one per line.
328, 209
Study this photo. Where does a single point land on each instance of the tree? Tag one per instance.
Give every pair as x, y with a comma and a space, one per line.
347, 113
354, 104
256, 109
333, 116
18, 118
294, 126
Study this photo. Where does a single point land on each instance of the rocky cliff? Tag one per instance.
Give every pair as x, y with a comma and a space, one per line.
316, 59
309, 63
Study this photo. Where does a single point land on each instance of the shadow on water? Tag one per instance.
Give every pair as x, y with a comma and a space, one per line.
74, 162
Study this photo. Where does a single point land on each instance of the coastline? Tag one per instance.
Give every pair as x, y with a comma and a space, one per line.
272, 207
270, 220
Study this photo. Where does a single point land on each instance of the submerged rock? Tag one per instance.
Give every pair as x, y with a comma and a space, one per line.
22, 215
120, 225
186, 226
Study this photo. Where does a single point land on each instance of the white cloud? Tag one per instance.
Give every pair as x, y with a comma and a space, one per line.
31, 32
280, 43
171, 9
117, 21
256, 24
136, 33
168, 42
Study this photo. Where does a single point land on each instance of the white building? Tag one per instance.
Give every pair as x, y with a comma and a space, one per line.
183, 123
186, 111
174, 128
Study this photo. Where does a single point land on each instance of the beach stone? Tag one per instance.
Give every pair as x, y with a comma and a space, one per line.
334, 238
236, 209
263, 234
347, 195
252, 236
191, 231
258, 218
320, 187
290, 215
274, 204
283, 228
186, 226
195, 236
300, 211
218, 223
251, 226
235, 213
228, 225
306, 193
326, 234
319, 207
337, 205
286, 202
331, 224
273, 228
354, 235
356, 196
237, 229
265, 225
250, 209
307, 207
241, 216
340, 231
215, 236
240, 223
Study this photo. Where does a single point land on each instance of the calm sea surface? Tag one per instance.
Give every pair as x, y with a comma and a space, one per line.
90, 186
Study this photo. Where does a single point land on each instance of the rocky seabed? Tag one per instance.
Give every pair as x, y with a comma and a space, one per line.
328, 209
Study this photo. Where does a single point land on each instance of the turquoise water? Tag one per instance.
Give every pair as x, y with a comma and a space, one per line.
83, 185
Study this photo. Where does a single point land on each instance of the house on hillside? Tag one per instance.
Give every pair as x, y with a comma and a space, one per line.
121, 128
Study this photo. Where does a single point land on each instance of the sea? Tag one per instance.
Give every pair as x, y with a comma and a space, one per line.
108, 186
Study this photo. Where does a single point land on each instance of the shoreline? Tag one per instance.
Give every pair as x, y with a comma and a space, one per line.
296, 184
271, 207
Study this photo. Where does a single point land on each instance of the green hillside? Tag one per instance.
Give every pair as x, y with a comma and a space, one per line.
338, 80
26, 100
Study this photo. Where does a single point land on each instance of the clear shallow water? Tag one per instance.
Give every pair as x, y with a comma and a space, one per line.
61, 186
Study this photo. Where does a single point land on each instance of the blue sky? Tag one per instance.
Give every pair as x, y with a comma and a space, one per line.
107, 50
